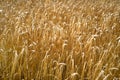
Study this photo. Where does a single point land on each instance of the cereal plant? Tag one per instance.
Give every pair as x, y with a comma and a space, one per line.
59, 39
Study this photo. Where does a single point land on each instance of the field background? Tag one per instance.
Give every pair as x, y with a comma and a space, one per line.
59, 39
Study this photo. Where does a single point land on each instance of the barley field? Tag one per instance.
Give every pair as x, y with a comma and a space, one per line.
59, 39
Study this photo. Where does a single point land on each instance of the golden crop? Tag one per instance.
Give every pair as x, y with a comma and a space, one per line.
59, 39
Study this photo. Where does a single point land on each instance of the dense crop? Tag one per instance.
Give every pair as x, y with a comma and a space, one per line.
59, 40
